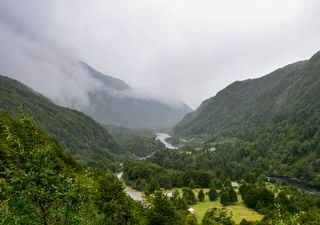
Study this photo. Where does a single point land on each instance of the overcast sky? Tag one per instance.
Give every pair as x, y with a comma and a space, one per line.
185, 49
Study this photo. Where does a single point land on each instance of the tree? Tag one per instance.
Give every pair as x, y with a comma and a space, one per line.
192, 220
257, 198
233, 197
224, 198
192, 184
37, 187
189, 196
116, 207
201, 195
216, 217
163, 212
227, 183
154, 185
213, 195
283, 201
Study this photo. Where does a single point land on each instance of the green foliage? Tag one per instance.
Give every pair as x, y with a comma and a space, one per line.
189, 196
258, 198
148, 177
192, 220
41, 184
163, 212
35, 187
233, 197
213, 195
224, 198
192, 184
201, 196
217, 217
84, 138
285, 204
274, 121
139, 142
117, 208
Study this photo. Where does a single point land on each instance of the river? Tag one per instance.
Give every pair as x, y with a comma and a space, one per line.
163, 138
134, 194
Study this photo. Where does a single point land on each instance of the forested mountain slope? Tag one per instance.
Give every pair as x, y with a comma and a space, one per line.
84, 138
284, 95
273, 122
40, 183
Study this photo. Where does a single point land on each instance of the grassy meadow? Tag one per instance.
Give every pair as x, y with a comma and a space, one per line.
237, 211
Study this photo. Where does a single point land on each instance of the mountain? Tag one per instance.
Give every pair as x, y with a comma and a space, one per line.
84, 138
270, 124
282, 95
115, 103
107, 81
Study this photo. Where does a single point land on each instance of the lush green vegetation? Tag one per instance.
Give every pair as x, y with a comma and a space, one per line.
41, 184
85, 139
139, 142
146, 176
273, 120
204, 167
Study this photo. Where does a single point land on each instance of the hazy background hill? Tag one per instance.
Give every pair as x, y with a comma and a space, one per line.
115, 102
84, 138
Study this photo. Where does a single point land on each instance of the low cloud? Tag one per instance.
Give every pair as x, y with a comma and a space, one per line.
51, 73
170, 49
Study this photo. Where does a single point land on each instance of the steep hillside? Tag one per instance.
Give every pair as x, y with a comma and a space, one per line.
284, 94
114, 103
41, 184
272, 123
27, 134
84, 138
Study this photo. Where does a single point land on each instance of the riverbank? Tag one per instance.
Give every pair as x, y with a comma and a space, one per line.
307, 188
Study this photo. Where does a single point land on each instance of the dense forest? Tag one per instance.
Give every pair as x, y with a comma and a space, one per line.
87, 141
273, 120
201, 169
40, 183
138, 142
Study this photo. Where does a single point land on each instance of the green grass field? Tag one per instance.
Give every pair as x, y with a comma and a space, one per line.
237, 211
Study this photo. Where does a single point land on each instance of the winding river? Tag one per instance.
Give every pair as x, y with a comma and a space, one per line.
163, 138
134, 194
